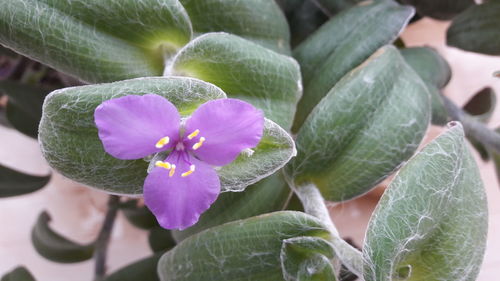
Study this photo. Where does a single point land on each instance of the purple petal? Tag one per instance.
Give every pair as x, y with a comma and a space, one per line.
178, 201
228, 126
130, 127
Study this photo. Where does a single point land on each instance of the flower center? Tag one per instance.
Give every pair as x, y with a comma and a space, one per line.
179, 146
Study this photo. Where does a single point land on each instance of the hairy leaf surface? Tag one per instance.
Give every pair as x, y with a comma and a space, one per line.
431, 223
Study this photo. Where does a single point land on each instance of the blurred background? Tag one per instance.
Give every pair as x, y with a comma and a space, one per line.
78, 211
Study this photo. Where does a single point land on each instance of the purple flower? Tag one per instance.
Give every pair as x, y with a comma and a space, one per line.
183, 185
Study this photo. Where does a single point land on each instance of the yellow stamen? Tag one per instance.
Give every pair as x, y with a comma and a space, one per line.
162, 164
198, 144
162, 142
172, 170
193, 134
191, 170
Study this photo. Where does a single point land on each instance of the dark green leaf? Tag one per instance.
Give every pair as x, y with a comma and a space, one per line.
367, 126
476, 29
431, 223
439, 9
70, 143
94, 40
307, 259
242, 250
481, 107
160, 240
14, 183
305, 20
139, 216
19, 273
144, 270
496, 160
336, 48
24, 108
268, 195
260, 21
55, 247
482, 104
246, 71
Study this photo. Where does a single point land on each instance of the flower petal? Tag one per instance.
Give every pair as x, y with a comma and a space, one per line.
178, 201
130, 126
228, 126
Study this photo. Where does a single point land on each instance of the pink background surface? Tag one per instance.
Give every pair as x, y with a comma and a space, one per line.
78, 211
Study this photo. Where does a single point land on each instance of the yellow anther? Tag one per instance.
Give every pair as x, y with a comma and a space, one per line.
191, 170
198, 144
172, 170
162, 142
162, 164
193, 134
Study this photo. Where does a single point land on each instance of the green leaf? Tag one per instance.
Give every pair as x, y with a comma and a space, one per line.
160, 239
335, 49
269, 195
366, 127
94, 40
439, 9
14, 183
496, 159
435, 72
260, 21
476, 29
307, 259
24, 107
429, 65
275, 149
55, 247
431, 223
144, 270
332, 7
139, 216
244, 70
19, 273
242, 250
70, 143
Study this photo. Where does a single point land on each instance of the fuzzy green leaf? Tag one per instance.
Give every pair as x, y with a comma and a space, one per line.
70, 143
368, 125
246, 71
435, 72
431, 223
242, 250
343, 43
94, 40
55, 247
307, 259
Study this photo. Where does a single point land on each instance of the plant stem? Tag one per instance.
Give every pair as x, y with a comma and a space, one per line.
102, 241
473, 128
314, 204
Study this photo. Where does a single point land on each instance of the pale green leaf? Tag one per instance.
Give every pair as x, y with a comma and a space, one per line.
431, 223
